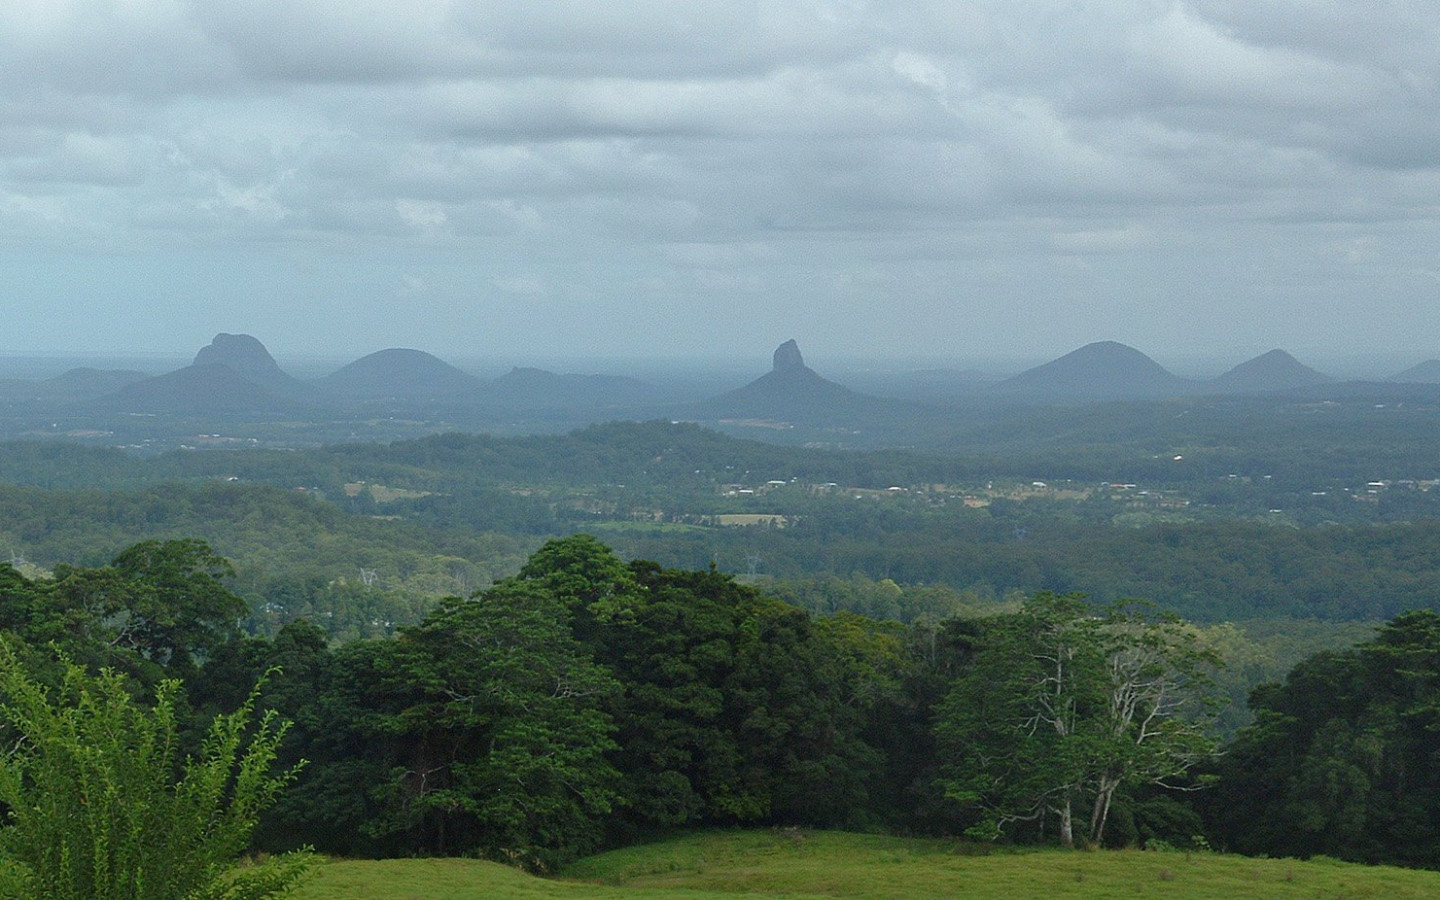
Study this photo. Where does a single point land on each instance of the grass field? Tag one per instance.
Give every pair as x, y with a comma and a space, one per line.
797, 864
599, 528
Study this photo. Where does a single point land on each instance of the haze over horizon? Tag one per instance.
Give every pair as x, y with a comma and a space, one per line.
1199, 180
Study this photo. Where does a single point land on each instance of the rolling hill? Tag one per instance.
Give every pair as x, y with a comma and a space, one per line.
1272, 371
79, 384
1427, 372
401, 374
1104, 370
530, 388
792, 862
196, 391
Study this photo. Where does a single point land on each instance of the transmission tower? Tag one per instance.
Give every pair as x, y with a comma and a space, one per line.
752, 562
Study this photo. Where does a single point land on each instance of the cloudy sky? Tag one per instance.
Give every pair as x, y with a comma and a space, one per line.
710, 177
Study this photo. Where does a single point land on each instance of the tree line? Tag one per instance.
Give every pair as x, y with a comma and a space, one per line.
587, 702
298, 557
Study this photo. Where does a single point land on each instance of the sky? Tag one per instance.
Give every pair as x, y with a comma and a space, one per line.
708, 178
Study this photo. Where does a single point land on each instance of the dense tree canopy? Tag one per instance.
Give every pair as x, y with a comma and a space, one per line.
1341, 759
588, 700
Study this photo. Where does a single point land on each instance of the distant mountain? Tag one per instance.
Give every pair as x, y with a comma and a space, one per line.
1272, 371
792, 392
86, 383
197, 391
930, 386
72, 386
400, 374
247, 357
232, 375
1105, 370
531, 388
1427, 372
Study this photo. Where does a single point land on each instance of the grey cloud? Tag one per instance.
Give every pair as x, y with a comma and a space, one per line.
722, 145
105, 47
81, 157
366, 41
370, 41
1394, 35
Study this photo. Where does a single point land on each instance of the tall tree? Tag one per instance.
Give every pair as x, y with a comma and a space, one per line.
1153, 728
181, 606
1061, 706
499, 740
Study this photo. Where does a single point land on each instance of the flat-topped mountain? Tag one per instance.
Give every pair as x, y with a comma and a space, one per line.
75, 385
400, 374
247, 357
1104, 370
85, 383
944, 386
1272, 371
233, 374
524, 386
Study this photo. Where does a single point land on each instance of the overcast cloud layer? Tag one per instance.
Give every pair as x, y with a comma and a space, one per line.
665, 178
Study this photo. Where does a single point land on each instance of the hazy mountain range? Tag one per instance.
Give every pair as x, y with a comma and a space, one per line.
1107, 370
236, 375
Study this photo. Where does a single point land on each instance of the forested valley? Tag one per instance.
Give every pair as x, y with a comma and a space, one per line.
585, 702
531, 648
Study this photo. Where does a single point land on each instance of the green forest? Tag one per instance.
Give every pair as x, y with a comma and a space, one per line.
530, 649
450, 514
586, 702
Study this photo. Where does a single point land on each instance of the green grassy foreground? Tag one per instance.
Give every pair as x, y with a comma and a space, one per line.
785, 864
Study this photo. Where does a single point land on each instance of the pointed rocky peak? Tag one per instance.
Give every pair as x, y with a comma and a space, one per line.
241, 354
788, 358
790, 392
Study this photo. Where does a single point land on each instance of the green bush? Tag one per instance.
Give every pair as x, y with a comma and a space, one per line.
99, 804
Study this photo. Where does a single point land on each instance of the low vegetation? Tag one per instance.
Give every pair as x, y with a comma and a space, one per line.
805, 864
100, 806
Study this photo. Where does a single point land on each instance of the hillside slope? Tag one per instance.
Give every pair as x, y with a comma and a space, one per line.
399, 373
1104, 370
1272, 371
793, 863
